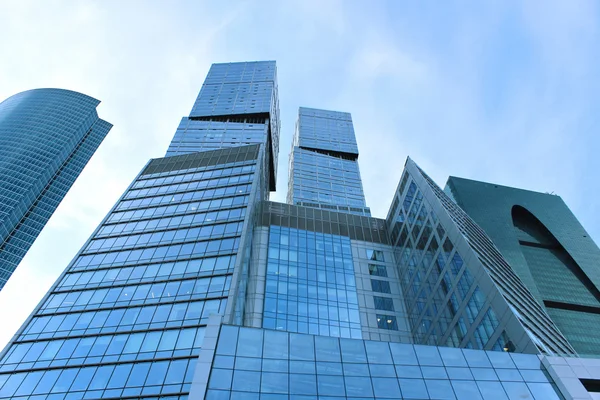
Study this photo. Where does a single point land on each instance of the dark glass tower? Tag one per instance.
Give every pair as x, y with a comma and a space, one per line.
324, 163
47, 136
546, 247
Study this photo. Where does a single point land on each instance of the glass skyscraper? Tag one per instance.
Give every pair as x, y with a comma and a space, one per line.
196, 286
323, 167
47, 136
547, 247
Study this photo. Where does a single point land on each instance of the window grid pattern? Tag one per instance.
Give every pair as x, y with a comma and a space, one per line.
532, 315
323, 165
131, 309
439, 285
47, 136
251, 362
310, 284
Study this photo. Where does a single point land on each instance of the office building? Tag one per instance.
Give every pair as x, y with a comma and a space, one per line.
196, 286
548, 249
323, 166
47, 136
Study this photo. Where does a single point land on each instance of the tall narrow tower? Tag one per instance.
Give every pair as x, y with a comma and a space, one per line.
47, 136
324, 163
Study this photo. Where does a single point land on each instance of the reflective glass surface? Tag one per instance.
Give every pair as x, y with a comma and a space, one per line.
324, 163
254, 362
310, 284
127, 318
47, 136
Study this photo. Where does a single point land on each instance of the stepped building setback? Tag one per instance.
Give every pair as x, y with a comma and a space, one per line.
197, 286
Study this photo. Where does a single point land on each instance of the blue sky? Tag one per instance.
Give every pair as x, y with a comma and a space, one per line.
500, 91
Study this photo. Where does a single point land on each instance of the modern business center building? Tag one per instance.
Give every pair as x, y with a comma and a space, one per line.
196, 286
47, 136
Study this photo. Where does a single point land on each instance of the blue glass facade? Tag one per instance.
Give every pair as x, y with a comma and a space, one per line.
195, 286
310, 284
237, 105
324, 163
47, 136
127, 317
252, 363
459, 289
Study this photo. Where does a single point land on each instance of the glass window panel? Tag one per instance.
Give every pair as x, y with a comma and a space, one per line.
273, 382
101, 377
428, 355
13, 383
452, 357
327, 348
459, 373
302, 367
83, 379
526, 361
330, 385
517, 390
221, 379
247, 363
476, 358
403, 354
439, 389
246, 381
434, 372
138, 375
353, 351
492, 390
157, 373
29, 383
275, 344
301, 347
543, 391
378, 352
386, 388
508, 375
120, 375
176, 372
250, 342
65, 380
488, 374
466, 390
47, 381
413, 388
500, 359
301, 384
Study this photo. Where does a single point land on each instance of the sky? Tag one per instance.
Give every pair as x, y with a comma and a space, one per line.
500, 91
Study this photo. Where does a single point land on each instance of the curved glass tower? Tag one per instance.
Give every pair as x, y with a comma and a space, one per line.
47, 136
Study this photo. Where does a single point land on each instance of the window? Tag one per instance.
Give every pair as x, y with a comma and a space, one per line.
375, 255
387, 322
380, 286
383, 303
378, 270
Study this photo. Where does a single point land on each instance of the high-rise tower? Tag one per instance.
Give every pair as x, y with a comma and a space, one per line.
126, 318
548, 249
47, 136
196, 286
323, 167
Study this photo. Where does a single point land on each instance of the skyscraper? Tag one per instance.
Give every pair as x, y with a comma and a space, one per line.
548, 249
47, 136
127, 317
196, 286
324, 163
